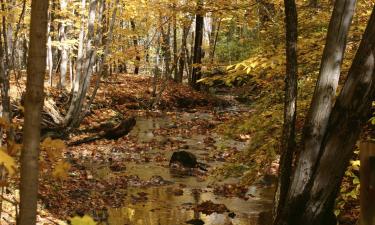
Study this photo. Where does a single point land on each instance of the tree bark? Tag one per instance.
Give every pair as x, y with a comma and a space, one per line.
4, 70
290, 106
323, 100
106, 42
166, 48
73, 115
183, 54
33, 105
197, 59
135, 43
49, 50
350, 112
64, 49
213, 40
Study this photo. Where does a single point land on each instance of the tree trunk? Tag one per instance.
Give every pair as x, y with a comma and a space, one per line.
64, 49
106, 42
183, 54
73, 115
135, 43
290, 105
321, 106
166, 48
49, 50
175, 54
197, 59
4, 70
213, 40
350, 112
33, 105
16, 40
79, 61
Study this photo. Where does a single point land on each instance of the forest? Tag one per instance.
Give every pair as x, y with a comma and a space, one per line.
172, 112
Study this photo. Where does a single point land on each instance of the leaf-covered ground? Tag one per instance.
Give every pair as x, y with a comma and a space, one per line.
111, 174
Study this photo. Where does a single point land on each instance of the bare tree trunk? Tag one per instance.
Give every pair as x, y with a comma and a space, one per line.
64, 49
350, 112
156, 69
175, 56
166, 48
4, 70
79, 61
73, 115
135, 43
18, 26
107, 42
290, 106
49, 51
183, 54
323, 99
197, 59
213, 50
33, 105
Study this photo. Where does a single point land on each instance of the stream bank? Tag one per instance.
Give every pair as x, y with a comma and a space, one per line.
128, 181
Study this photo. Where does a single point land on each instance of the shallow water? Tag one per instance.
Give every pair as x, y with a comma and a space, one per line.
161, 206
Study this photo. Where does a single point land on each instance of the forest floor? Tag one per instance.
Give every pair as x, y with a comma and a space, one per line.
128, 181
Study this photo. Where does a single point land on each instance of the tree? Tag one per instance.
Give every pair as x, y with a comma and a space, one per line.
197, 58
82, 80
135, 43
33, 105
64, 49
290, 105
319, 180
4, 67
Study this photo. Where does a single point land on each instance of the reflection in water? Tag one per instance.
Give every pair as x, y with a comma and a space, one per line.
162, 207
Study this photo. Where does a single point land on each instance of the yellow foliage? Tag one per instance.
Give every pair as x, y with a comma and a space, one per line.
53, 147
7, 161
50, 143
85, 220
61, 170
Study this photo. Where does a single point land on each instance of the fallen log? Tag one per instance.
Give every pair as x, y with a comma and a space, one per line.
118, 131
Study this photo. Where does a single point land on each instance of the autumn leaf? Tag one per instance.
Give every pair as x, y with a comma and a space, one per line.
61, 170
53, 147
7, 161
55, 144
85, 220
4, 123
13, 148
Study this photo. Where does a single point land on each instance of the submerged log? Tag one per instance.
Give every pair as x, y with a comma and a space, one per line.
118, 131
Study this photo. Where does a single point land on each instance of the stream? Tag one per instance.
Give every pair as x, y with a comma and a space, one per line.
176, 202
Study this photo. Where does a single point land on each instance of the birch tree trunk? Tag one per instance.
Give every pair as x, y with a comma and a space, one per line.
107, 42
64, 49
33, 105
79, 93
49, 51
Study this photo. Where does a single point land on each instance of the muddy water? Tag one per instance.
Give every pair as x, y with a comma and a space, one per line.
161, 206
